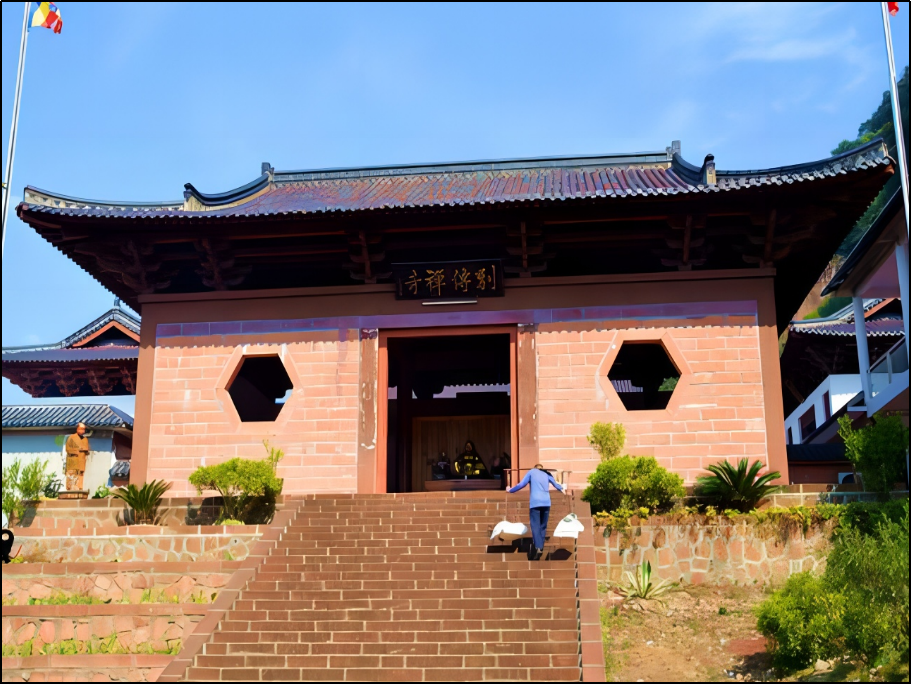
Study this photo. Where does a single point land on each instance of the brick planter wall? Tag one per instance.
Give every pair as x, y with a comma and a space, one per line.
718, 552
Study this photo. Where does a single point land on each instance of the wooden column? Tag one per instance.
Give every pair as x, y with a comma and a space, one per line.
367, 413
526, 393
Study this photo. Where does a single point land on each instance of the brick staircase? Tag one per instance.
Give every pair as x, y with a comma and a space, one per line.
407, 588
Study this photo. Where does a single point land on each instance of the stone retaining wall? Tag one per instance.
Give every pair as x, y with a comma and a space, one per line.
85, 668
111, 512
136, 543
179, 582
160, 627
721, 552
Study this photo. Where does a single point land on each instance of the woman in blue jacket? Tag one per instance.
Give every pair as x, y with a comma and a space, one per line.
538, 505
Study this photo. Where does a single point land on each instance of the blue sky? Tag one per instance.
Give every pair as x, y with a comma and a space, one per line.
133, 100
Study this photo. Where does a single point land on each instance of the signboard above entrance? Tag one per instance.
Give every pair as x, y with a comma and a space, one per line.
448, 279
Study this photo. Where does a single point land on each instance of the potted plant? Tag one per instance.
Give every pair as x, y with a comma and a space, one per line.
143, 502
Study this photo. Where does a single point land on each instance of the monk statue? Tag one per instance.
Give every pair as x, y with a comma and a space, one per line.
469, 463
77, 448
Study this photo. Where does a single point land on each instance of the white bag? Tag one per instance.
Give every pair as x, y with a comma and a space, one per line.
570, 526
508, 531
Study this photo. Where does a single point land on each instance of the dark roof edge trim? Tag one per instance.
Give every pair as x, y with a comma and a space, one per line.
218, 198
893, 206
176, 204
876, 142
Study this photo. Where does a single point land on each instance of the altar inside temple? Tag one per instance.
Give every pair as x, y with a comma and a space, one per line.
444, 394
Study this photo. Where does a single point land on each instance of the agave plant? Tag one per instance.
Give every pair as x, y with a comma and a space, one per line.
739, 487
143, 502
640, 585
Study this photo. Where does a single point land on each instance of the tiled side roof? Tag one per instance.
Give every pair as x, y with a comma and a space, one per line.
841, 323
65, 415
115, 314
79, 354
470, 183
878, 327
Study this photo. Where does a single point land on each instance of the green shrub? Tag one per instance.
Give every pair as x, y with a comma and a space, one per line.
101, 492
631, 483
143, 502
866, 517
21, 484
877, 451
608, 439
859, 607
246, 486
871, 570
803, 621
737, 487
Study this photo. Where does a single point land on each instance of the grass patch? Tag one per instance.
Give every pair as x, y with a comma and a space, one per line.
67, 600
109, 646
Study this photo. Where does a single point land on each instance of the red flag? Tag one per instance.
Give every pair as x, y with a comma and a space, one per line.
893, 8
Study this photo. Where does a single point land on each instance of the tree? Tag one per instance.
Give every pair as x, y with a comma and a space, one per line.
878, 125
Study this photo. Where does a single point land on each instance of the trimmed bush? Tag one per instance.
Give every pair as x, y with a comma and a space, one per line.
248, 488
632, 482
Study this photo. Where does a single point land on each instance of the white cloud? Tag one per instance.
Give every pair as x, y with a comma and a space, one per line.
792, 49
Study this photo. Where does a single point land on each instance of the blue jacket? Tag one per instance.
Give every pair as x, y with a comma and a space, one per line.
540, 481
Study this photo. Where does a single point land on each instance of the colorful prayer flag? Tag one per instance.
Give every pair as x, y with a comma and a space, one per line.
893, 8
47, 16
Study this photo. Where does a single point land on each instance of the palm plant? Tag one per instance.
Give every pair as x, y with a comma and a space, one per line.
739, 487
640, 585
143, 502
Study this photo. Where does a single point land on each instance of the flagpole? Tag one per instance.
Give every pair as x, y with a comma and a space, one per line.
11, 150
896, 113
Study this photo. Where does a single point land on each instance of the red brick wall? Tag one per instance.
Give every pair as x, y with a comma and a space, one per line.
716, 412
193, 419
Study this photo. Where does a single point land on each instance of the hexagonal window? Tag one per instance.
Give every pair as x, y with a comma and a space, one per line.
260, 388
644, 376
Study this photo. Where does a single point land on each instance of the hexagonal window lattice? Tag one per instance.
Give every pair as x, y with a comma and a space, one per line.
259, 388
644, 376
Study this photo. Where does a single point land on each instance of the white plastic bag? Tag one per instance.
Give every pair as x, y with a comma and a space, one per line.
570, 526
507, 531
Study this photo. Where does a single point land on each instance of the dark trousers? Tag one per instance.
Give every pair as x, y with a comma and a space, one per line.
538, 517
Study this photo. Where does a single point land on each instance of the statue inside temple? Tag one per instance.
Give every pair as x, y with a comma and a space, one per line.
469, 463
440, 468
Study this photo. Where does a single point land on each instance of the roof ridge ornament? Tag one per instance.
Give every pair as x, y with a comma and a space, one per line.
708, 170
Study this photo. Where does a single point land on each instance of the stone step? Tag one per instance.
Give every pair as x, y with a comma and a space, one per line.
401, 587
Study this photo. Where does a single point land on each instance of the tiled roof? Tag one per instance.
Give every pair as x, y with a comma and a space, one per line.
115, 314
458, 184
841, 323
79, 354
878, 327
65, 415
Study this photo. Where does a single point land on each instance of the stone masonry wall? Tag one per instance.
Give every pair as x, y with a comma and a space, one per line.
712, 553
716, 412
194, 422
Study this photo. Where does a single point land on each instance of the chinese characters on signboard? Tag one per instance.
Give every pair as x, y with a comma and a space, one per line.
448, 280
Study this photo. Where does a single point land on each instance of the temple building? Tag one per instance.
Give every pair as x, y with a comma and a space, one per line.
97, 360
416, 328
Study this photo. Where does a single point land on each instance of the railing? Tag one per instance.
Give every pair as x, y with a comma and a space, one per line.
893, 362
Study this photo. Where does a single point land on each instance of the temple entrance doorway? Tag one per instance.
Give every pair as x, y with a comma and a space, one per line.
450, 409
